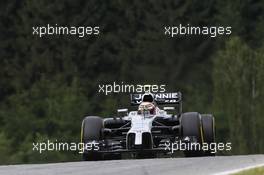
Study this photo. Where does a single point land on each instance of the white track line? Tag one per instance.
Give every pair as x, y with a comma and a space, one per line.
239, 169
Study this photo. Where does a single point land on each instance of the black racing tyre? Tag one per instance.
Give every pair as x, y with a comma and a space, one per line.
192, 128
91, 131
208, 131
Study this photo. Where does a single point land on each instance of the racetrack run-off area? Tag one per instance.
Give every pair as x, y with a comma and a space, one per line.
168, 166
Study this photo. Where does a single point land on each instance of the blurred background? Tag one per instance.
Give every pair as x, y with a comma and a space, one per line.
48, 84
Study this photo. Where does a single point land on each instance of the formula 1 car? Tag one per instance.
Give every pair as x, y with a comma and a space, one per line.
148, 131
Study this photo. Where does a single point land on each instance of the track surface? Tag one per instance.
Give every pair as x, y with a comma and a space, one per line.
167, 166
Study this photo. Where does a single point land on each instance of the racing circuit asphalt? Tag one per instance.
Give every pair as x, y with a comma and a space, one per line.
168, 166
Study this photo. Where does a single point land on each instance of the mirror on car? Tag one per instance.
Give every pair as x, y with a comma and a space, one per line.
122, 112
168, 108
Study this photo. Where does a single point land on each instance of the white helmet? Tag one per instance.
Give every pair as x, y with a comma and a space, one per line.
147, 106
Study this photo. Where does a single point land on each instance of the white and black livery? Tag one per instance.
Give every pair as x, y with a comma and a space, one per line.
145, 131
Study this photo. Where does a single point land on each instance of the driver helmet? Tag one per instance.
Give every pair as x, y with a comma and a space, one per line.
147, 106
148, 97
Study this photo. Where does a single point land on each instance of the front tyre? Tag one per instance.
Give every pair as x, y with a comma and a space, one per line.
208, 123
91, 131
192, 129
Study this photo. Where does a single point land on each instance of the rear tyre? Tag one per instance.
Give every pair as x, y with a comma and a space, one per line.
192, 129
91, 131
209, 131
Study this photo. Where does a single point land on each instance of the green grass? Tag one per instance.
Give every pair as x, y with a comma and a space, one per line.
254, 171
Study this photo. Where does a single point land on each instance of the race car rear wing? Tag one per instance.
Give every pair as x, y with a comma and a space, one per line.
159, 98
